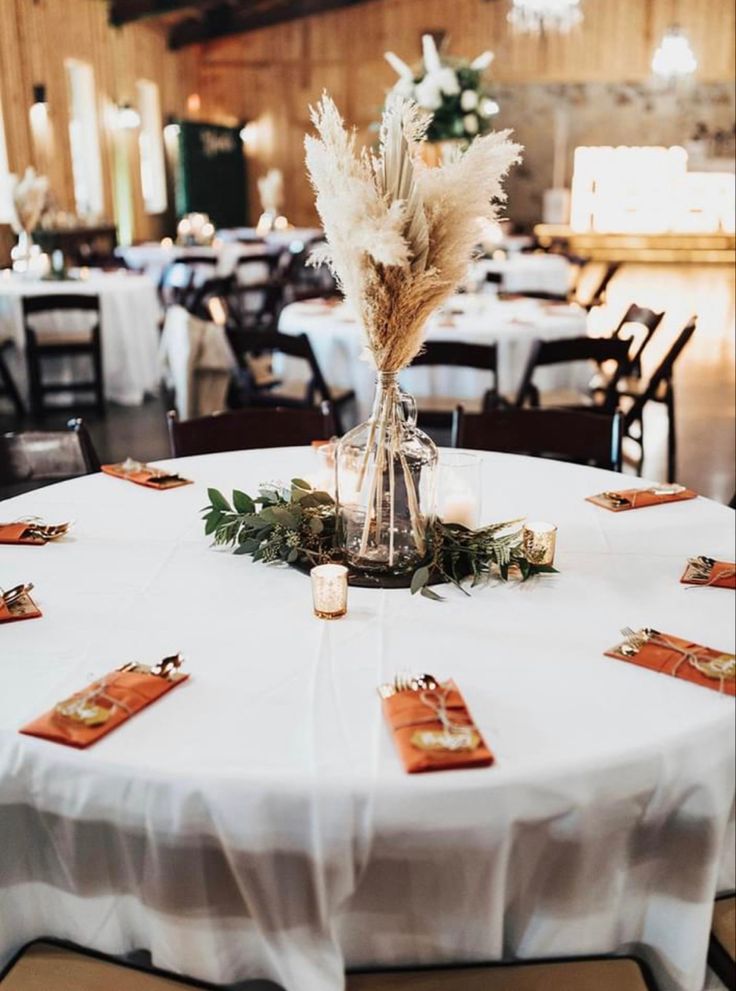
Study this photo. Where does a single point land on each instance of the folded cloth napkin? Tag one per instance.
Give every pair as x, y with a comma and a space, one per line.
620, 500
14, 533
91, 714
680, 658
433, 730
705, 571
21, 608
152, 478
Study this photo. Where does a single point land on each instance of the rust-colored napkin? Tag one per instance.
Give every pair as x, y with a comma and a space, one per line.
152, 478
674, 656
14, 533
101, 707
417, 729
21, 608
704, 571
621, 500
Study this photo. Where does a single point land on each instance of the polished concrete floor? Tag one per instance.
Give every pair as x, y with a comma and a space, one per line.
705, 379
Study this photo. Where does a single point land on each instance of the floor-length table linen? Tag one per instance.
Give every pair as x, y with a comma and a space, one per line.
527, 272
258, 822
129, 314
153, 258
513, 325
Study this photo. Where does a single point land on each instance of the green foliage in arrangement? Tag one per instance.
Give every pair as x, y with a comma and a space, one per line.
298, 526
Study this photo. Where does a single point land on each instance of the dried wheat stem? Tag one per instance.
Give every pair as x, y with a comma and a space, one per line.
411, 494
381, 418
391, 492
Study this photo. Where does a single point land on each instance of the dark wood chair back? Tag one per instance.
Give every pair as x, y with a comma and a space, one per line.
458, 354
263, 263
253, 343
569, 349
45, 456
580, 436
253, 307
598, 295
641, 317
40, 346
660, 382
183, 277
249, 428
8, 385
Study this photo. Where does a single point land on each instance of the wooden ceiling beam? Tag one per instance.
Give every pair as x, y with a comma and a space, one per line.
124, 11
228, 18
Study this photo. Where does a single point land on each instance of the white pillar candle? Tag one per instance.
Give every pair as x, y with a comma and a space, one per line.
461, 508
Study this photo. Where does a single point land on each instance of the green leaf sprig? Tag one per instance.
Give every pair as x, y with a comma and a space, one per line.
297, 525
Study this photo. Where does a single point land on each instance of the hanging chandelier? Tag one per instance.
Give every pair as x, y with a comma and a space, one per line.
674, 59
544, 16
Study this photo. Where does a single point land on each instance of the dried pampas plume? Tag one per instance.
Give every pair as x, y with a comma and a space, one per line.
400, 235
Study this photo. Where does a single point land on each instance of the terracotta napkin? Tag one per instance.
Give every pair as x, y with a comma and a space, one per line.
22, 608
112, 700
706, 572
146, 476
12, 533
637, 498
416, 727
658, 656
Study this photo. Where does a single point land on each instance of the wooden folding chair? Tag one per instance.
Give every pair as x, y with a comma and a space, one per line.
245, 429
569, 349
581, 436
37, 456
458, 354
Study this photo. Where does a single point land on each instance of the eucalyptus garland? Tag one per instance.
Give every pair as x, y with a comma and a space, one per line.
297, 525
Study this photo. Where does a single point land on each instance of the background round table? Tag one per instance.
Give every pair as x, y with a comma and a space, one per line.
257, 821
479, 318
129, 314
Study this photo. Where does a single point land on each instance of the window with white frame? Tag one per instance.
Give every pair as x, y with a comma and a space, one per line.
84, 138
151, 144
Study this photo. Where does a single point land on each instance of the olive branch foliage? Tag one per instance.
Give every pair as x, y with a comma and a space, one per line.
298, 525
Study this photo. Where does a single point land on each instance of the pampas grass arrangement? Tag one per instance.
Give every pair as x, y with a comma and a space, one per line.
400, 237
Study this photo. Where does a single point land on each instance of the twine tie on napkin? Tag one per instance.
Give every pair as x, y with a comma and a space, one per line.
718, 668
701, 577
456, 736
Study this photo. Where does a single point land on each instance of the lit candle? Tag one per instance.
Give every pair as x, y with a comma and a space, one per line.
539, 540
460, 507
329, 590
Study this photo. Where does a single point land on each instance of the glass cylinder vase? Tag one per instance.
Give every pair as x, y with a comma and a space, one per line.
386, 476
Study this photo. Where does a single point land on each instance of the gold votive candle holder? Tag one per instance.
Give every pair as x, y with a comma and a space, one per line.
539, 540
329, 590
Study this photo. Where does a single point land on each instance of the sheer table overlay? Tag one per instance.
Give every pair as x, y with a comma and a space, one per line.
257, 821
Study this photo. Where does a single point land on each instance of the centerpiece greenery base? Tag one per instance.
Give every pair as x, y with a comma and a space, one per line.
299, 526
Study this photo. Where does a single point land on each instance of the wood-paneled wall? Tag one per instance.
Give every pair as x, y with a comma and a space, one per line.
36, 37
270, 76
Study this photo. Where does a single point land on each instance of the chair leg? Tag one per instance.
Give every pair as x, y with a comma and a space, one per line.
671, 436
33, 364
97, 364
10, 388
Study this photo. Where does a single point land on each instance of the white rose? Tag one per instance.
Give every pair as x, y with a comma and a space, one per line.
448, 83
470, 123
489, 107
428, 94
469, 99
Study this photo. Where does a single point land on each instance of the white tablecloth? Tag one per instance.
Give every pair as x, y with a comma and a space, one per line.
528, 272
513, 325
129, 315
257, 821
276, 239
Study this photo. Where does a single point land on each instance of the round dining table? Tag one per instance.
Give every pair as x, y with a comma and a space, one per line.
129, 315
257, 822
478, 318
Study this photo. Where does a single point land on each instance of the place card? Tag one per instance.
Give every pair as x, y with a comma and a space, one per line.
433, 729
143, 474
678, 658
620, 501
705, 571
85, 717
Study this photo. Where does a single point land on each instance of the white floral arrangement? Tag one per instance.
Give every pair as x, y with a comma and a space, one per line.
29, 199
453, 91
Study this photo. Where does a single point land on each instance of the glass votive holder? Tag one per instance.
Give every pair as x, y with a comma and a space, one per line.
329, 590
459, 489
538, 541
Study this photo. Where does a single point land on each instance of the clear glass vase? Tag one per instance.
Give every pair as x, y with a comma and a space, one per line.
386, 476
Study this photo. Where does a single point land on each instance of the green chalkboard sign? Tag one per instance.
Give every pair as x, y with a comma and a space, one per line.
211, 173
